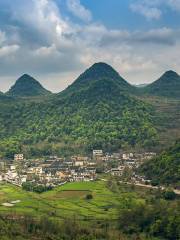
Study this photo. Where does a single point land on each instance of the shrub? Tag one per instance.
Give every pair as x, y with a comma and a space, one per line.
169, 195
89, 196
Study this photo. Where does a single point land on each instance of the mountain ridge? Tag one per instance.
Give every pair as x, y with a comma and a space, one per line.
98, 113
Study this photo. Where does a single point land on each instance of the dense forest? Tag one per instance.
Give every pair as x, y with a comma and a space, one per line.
96, 112
99, 110
27, 86
168, 85
165, 168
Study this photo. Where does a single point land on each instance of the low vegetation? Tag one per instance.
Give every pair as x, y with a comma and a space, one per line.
116, 211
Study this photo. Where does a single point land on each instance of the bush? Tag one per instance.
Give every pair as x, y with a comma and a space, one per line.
154, 182
169, 195
89, 196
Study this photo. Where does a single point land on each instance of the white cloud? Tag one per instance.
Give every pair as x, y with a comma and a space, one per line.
46, 44
77, 9
153, 9
147, 11
2, 37
174, 4
8, 50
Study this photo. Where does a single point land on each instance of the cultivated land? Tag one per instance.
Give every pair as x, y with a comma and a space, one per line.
70, 200
167, 119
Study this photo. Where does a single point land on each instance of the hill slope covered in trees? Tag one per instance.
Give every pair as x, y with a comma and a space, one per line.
95, 112
165, 168
168, 85
26, 86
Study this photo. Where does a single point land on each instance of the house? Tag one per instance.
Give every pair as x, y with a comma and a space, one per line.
23, 178
61, 175
12, 168
97, 153
11, 175
79, 163
130, 161
90, 170
18, 157
116, 172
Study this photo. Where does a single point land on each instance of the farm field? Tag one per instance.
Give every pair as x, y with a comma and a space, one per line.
69, 200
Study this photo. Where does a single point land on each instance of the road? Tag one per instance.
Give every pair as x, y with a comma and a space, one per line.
150, 186
146, 186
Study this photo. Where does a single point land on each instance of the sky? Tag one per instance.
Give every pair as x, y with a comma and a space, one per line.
56, 40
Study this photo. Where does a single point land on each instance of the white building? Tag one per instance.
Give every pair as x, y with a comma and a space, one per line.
23, 179
79, 163
12, 168
18, 157
97, 153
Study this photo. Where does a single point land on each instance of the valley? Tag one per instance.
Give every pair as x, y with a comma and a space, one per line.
102, 156
100, 110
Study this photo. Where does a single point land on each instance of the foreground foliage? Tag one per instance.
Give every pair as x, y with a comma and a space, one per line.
140, 214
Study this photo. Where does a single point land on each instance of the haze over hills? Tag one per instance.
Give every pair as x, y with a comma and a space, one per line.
168, 85
27, 86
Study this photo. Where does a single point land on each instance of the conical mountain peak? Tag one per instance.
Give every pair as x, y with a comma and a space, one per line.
168, 85
99, 72
27, 86
170, 74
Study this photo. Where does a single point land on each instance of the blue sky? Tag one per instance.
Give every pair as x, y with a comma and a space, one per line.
117, 14
55, 40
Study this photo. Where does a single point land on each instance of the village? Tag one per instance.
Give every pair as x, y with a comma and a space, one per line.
53, 171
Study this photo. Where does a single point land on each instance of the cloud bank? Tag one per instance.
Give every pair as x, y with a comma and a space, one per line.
36, 38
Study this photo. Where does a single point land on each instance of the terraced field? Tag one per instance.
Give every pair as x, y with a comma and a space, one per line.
69, 200
166, 119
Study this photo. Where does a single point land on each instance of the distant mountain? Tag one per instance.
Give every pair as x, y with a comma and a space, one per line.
100, 71
165, 168
168, 85
97, 111
27, 86
5, 98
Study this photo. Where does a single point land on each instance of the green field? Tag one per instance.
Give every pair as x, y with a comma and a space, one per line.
69, 200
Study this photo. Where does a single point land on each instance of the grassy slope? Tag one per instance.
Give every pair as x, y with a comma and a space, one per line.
69, 200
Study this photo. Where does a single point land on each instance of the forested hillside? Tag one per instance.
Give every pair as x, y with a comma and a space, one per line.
165, 168
99, 110
168, 85
26, 86
95, 112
